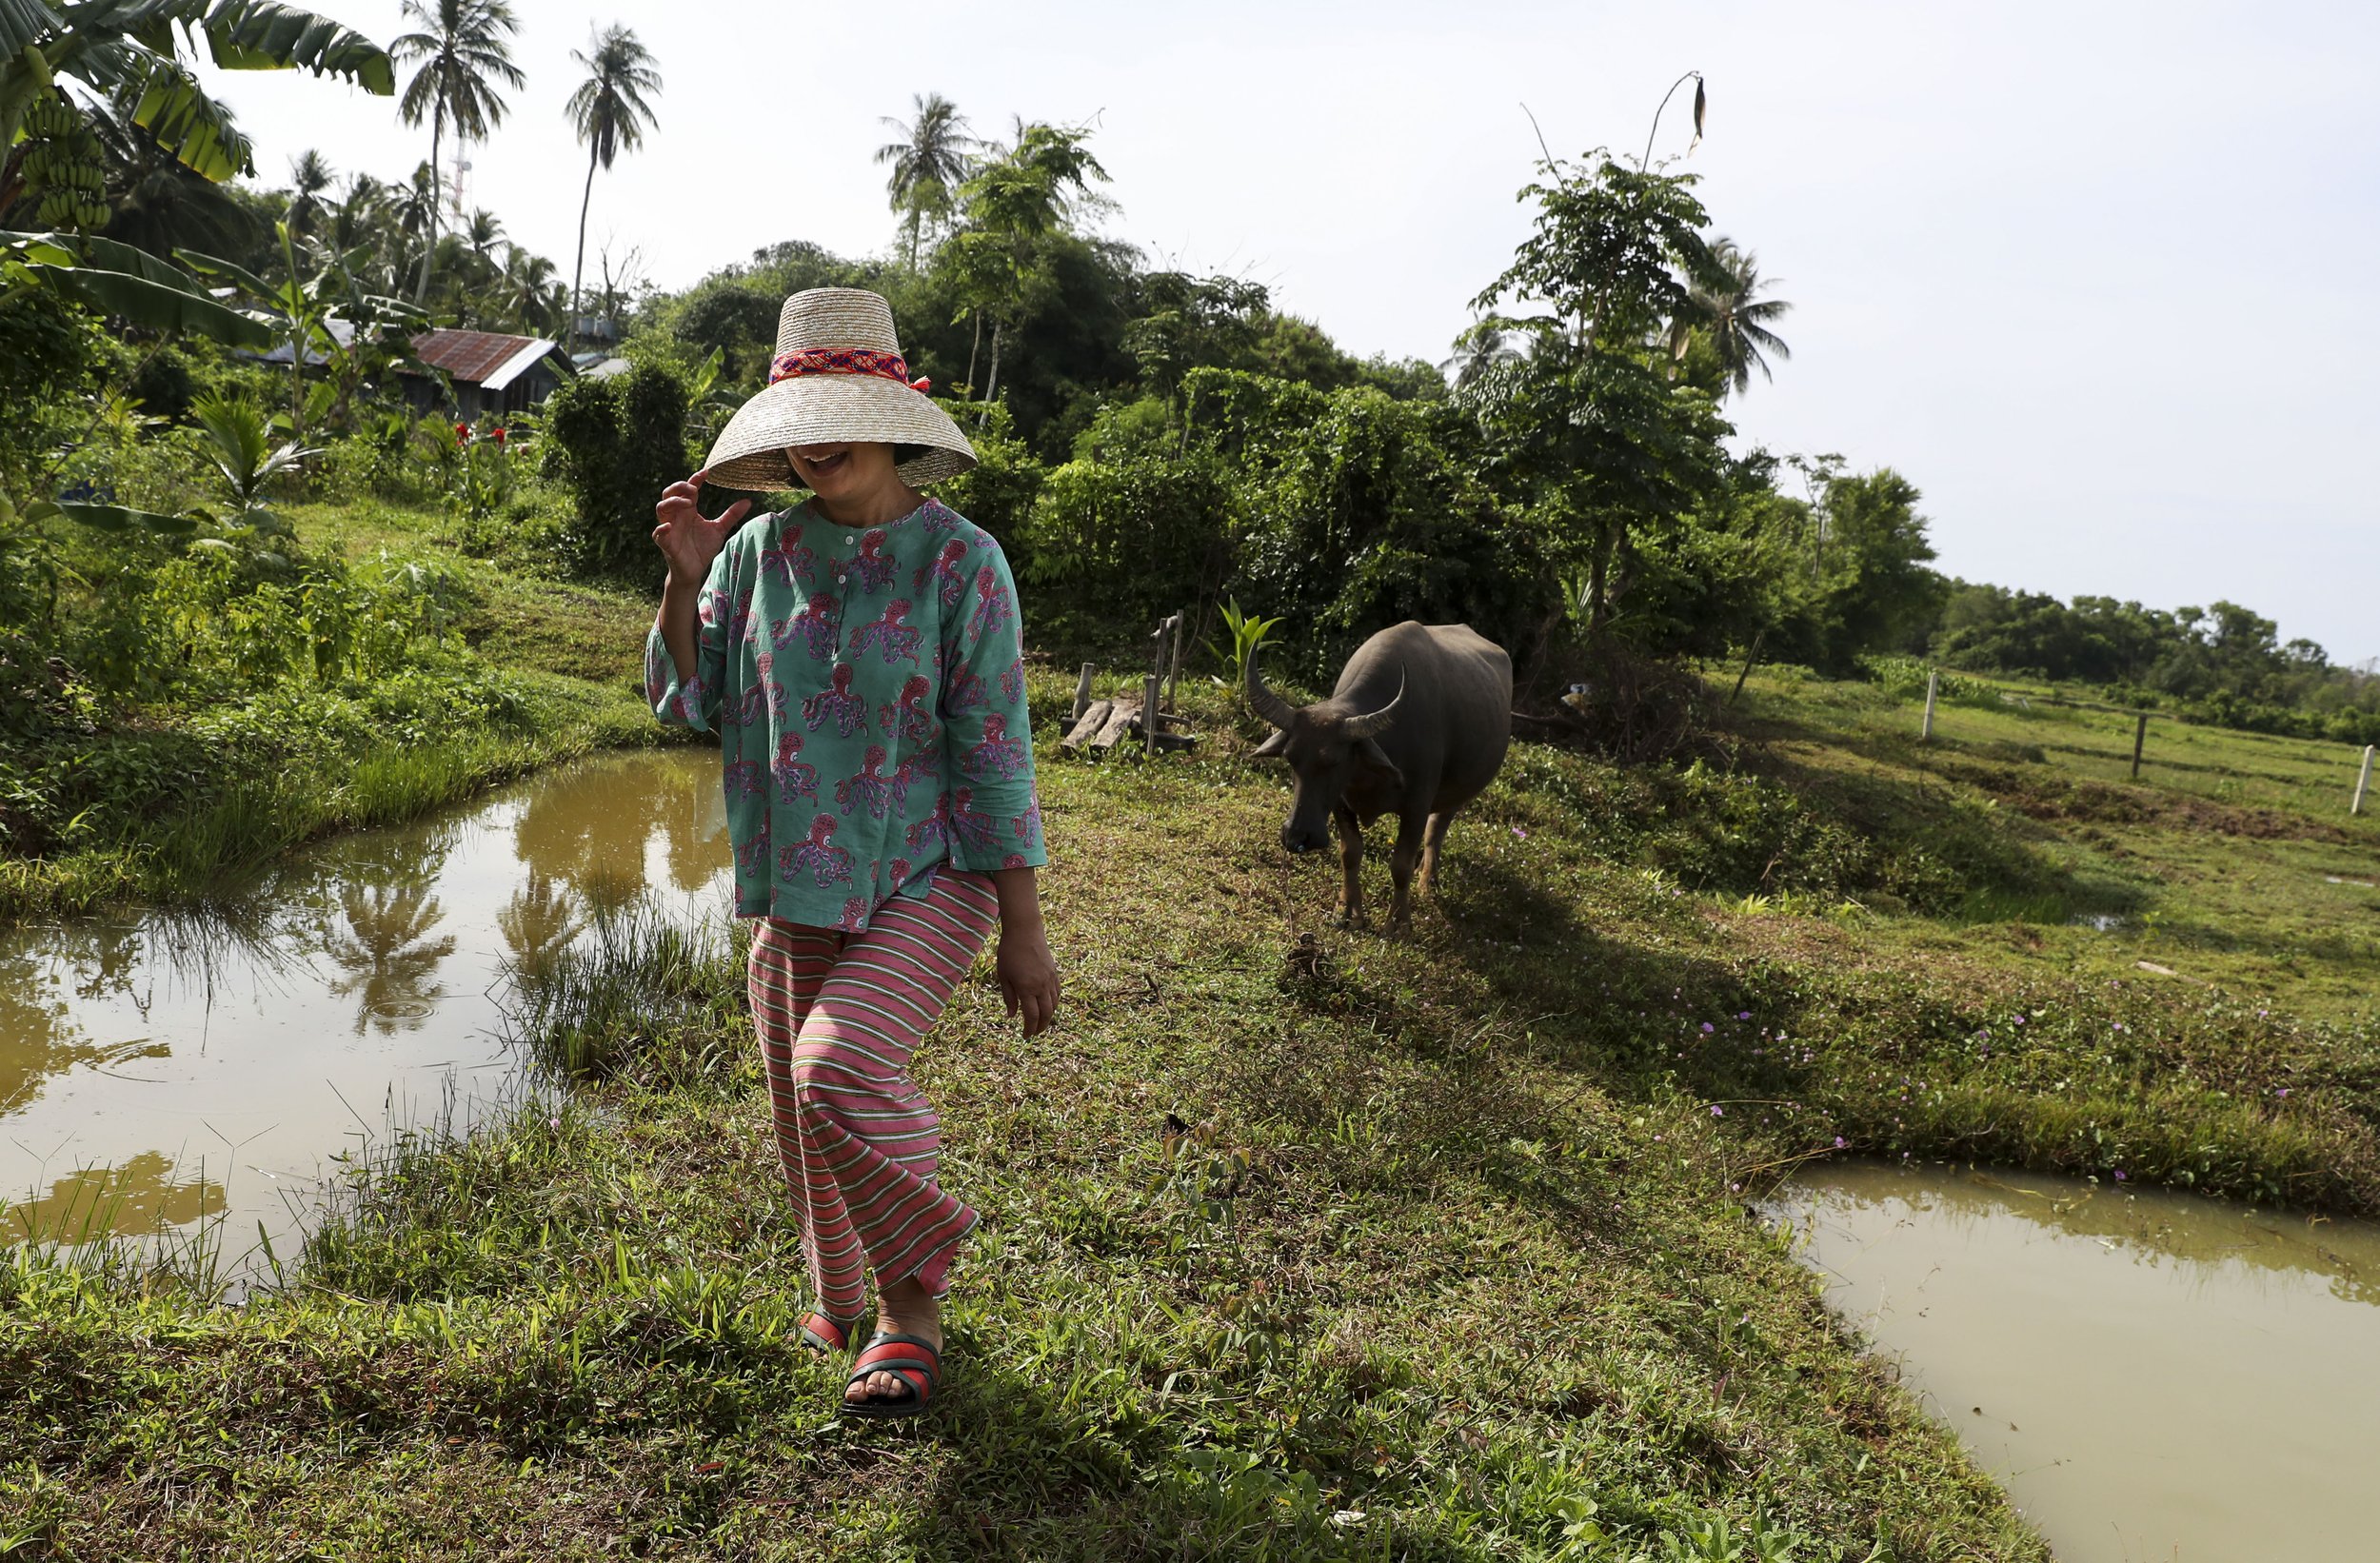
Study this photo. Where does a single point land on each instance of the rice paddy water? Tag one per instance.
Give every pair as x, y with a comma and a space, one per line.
163, 1069
2151, 1375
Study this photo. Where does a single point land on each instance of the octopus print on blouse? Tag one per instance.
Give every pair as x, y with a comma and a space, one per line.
796, 777
827, 863
874, 571
997, 752
910, 719
891, 635
870, 790
838, 705
894, 741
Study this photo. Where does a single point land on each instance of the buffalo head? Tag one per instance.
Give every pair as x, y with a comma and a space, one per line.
1327, 750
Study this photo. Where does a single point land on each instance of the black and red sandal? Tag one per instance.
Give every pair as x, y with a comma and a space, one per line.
826, 1335
914, 1362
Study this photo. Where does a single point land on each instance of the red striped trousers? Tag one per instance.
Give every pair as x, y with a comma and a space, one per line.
839, 1016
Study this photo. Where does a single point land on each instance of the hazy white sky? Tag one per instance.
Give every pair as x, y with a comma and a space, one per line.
2094, 276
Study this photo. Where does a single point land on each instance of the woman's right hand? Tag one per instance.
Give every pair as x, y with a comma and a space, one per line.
688, 539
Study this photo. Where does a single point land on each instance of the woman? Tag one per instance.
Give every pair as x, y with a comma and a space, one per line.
859, 658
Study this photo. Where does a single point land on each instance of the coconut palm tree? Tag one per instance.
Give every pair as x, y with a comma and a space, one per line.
530, 294
1479, 350
609, 113
1735, 317
413, 213
927, 161
311, 176
461, 45
482, 235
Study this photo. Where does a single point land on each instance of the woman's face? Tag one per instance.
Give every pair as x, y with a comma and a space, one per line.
846, 472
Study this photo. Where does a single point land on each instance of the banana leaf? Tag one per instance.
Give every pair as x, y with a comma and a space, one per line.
112, 518
115, 279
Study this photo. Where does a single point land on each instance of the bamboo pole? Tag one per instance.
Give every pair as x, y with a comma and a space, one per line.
1149, 723
2362, 781
1934, 679
2140, 737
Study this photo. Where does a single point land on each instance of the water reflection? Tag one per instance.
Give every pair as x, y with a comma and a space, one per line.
2151, 1375
140, 1195
386, 953
537, 922
243, 1024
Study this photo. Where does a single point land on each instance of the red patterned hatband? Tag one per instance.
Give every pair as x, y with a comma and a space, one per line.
802, 361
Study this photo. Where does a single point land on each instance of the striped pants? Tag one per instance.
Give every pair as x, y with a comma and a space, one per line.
837, 1016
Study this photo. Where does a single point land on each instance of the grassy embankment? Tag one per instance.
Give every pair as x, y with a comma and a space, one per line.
508, 672
1454, 1262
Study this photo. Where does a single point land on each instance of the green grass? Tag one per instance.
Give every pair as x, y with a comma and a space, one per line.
1452, 1260
167, 798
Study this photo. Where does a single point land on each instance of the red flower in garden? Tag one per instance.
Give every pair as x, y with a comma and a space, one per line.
498, 433
462, 434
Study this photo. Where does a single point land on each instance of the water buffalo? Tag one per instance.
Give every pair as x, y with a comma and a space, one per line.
1416, 727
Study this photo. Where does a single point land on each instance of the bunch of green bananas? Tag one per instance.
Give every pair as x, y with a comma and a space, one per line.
65, 181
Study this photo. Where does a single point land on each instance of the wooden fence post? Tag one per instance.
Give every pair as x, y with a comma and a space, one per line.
2140, 737
2362, 781
1173, 669
1149, 725
1082, 689
1933, 678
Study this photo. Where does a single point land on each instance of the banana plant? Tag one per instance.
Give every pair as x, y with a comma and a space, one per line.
117, 279
116, 46
300, 312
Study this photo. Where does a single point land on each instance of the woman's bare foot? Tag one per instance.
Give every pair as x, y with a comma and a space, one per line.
902, 1309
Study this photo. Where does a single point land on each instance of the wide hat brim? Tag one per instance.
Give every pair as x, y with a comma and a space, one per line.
833, 409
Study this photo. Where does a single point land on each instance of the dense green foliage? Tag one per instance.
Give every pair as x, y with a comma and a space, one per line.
2225, 663
615, 444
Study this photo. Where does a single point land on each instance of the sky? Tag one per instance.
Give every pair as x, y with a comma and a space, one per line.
2093, 276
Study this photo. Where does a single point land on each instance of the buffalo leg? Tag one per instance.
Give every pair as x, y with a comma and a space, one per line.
1433, 840
1350, 865
1401, 865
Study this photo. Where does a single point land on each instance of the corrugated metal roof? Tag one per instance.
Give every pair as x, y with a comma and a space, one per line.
515, 366
471, 356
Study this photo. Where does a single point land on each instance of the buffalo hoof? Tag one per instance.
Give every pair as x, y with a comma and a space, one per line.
1345, 918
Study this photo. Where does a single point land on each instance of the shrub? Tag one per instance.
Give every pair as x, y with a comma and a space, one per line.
615, 444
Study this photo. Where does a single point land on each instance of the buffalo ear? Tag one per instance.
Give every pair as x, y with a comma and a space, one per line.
1273, 747
1370, 752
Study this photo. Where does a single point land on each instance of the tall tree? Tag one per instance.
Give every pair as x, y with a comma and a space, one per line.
927, 161
1602, 439
1731, 314
310, 178
531, 295
461, 45
1015, 202
609, 113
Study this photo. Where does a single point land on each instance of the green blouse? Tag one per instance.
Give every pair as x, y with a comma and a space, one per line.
867, 687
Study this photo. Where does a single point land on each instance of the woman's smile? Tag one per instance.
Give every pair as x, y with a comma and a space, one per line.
822, 461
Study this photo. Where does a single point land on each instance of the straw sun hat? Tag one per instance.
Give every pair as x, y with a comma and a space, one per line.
837, 376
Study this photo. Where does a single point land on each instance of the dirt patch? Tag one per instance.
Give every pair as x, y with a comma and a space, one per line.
2050, 796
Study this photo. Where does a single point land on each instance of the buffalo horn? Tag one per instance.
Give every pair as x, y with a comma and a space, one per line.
1263, 701
1373, 723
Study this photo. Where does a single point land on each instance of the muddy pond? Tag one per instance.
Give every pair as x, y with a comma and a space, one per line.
182, 1066
2151, 1375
